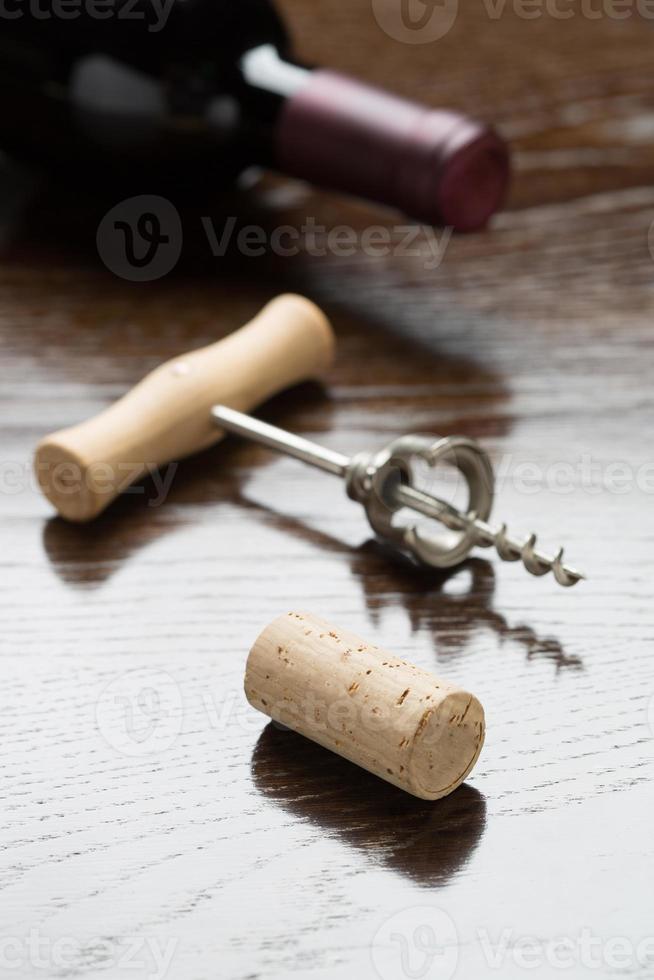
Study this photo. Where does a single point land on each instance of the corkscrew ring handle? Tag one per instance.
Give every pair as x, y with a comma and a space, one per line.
386, 483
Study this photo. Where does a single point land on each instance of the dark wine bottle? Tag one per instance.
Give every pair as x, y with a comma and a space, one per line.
161, 94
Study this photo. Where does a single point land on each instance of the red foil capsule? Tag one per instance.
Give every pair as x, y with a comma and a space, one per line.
437, 166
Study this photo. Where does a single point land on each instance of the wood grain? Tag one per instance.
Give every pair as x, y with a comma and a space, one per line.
142, 797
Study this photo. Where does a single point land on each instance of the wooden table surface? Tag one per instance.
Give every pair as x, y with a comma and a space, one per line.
151, 819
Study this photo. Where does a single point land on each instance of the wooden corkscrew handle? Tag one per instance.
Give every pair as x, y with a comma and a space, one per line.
167, 415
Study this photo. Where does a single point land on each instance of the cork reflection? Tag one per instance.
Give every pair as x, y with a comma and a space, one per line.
429, 842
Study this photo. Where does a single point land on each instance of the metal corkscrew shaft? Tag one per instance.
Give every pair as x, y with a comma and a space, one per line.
384, 483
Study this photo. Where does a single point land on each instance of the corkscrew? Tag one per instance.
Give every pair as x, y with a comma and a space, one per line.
173, 413
385, 483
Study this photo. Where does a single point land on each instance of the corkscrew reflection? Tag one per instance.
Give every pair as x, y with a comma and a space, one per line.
434, 601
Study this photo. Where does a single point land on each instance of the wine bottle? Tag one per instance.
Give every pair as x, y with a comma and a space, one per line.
161, 94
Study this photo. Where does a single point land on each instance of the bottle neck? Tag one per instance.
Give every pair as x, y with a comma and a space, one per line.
436, 166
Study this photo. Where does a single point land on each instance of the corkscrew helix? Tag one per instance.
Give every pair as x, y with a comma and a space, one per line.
385, 483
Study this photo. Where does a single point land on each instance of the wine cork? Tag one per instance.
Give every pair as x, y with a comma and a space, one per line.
384, 714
